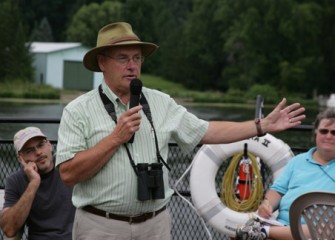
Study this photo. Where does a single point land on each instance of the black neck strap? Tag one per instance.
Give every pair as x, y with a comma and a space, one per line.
109, 106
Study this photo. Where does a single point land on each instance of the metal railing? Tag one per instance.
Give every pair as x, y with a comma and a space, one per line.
185, 222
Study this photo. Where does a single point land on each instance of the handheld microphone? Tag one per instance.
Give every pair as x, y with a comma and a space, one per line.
135, 93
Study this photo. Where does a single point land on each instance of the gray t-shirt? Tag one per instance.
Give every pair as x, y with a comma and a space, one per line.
52, 212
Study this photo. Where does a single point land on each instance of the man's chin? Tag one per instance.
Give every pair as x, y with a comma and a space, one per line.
44, 168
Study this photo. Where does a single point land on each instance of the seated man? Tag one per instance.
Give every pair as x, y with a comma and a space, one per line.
35, 195
310, 171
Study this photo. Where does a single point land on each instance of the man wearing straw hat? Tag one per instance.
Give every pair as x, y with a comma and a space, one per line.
94, 154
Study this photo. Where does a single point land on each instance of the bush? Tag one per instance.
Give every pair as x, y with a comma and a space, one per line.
28, 90
269, 93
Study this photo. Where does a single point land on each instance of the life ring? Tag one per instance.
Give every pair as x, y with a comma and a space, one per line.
274, 153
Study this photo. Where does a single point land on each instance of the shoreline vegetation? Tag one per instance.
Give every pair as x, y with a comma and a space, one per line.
65, 98
23, 92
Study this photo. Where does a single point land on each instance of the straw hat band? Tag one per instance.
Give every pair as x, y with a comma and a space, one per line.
118, 40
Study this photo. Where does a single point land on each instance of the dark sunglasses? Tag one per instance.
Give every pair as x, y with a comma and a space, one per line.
325, 131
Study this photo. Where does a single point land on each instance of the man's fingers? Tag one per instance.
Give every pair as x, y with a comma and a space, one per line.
21, 160
134, 109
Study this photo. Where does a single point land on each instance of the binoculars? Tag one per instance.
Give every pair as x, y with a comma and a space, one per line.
150, 184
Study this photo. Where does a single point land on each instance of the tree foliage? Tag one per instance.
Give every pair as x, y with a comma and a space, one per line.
33, 11
42, 32
90, 18
201, 44
211, 44
15, 59
263, 43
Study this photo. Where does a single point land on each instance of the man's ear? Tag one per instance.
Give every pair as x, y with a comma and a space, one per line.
101, 62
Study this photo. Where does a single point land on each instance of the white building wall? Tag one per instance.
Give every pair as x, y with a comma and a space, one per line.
55, 65
54, 71
97, 79
49, 63
39, 64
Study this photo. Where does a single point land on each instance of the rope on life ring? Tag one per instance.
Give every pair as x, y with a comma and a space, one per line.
274, 153
228, 195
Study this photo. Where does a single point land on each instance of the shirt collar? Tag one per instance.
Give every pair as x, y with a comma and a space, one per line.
311, 159
109, 93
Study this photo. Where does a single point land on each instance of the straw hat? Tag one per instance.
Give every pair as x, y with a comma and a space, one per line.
112, 35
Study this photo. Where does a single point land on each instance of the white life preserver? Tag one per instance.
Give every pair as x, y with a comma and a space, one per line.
274, 153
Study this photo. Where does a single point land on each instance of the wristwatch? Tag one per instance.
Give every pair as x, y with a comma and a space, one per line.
259, 128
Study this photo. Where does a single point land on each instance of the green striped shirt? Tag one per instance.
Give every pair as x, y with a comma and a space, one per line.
114, 188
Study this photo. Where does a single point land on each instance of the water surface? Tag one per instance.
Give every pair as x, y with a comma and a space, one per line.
43, 110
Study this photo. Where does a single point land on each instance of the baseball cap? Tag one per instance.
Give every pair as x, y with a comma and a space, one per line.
24, 135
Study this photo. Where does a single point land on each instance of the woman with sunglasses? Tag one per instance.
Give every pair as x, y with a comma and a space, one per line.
313, 170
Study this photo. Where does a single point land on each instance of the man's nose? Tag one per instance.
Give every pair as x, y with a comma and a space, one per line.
131, 63
38, 150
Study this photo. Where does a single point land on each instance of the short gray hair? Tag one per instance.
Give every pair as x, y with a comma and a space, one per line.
329, 114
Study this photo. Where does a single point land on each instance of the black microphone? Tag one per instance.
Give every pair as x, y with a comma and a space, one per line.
135, 93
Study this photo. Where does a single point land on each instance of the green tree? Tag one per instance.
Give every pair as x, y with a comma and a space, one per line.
170, 17
160, 22
15, 59
141, 15
43, 32
33, 11
86, 23
302, 68
268, 42
200, 46
327, 47
214, 44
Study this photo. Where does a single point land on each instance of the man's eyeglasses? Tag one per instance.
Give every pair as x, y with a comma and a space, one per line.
39, 146
325, 131
124, 60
